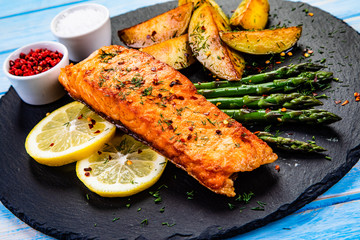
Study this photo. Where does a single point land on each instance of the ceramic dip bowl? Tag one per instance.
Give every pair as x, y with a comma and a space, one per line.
43, 86
82, 29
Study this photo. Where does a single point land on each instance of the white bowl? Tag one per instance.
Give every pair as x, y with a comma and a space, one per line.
42, 88
82, 29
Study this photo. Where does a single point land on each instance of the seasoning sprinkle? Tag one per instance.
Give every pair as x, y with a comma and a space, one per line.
345, 102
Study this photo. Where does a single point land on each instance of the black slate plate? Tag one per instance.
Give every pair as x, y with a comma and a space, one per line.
53, 201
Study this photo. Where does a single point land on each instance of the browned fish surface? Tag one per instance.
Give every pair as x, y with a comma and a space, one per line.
161, 107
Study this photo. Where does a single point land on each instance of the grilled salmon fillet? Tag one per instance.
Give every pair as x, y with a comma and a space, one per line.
159, 106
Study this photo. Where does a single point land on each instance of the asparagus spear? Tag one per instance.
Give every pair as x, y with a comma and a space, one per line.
288, 143
276, 100
283, 72
309, 116
304, 80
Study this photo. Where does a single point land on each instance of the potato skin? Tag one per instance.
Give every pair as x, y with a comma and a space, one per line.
173, 23
175, 52
251, 14
197, 4
268, 41
208, 48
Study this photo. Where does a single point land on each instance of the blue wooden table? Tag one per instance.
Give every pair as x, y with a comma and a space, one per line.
333, 215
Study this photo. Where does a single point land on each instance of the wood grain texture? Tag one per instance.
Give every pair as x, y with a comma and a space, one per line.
332, 215
338, 221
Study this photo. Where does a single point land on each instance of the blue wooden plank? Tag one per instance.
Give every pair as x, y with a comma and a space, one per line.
11, 228
27, 7
347, 189
339, 221
354, 22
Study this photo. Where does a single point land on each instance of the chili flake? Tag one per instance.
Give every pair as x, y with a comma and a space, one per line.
277, 168
357, 96
345, 102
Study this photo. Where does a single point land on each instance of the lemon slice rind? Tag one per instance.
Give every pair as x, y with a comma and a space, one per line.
88, 173
75, 135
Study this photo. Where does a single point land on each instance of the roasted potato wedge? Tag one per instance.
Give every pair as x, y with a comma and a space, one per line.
208, 48
173, 23
264, 41
251, 14
197, 3
176, 52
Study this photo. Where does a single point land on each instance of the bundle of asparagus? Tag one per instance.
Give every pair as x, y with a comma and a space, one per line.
274, 97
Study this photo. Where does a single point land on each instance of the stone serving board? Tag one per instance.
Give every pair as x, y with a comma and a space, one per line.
54, 201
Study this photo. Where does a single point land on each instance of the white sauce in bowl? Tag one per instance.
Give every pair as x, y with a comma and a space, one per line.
79, 21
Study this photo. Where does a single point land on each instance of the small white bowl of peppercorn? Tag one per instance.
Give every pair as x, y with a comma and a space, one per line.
33, 71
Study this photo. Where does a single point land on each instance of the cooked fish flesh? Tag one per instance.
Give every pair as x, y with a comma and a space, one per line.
160, 107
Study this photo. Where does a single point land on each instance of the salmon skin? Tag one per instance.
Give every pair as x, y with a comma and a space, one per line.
160, 107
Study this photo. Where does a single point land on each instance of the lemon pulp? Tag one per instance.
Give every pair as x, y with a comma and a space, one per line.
68, 134
123, 167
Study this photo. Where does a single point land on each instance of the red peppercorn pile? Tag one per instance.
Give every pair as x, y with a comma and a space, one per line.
34, 62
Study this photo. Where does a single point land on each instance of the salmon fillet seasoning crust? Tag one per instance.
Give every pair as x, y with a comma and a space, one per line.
159, 106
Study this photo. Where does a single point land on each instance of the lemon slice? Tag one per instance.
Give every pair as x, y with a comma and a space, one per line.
68, 134
123, 167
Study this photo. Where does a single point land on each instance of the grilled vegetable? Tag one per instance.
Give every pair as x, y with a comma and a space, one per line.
173, 23
309, 116
268, 41
175, 52
251, 14
283, 72
207, 47
197, 3
276, 100
288, 143
307, 80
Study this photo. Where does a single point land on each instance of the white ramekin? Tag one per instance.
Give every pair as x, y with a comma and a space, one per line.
80, 46
42, 88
